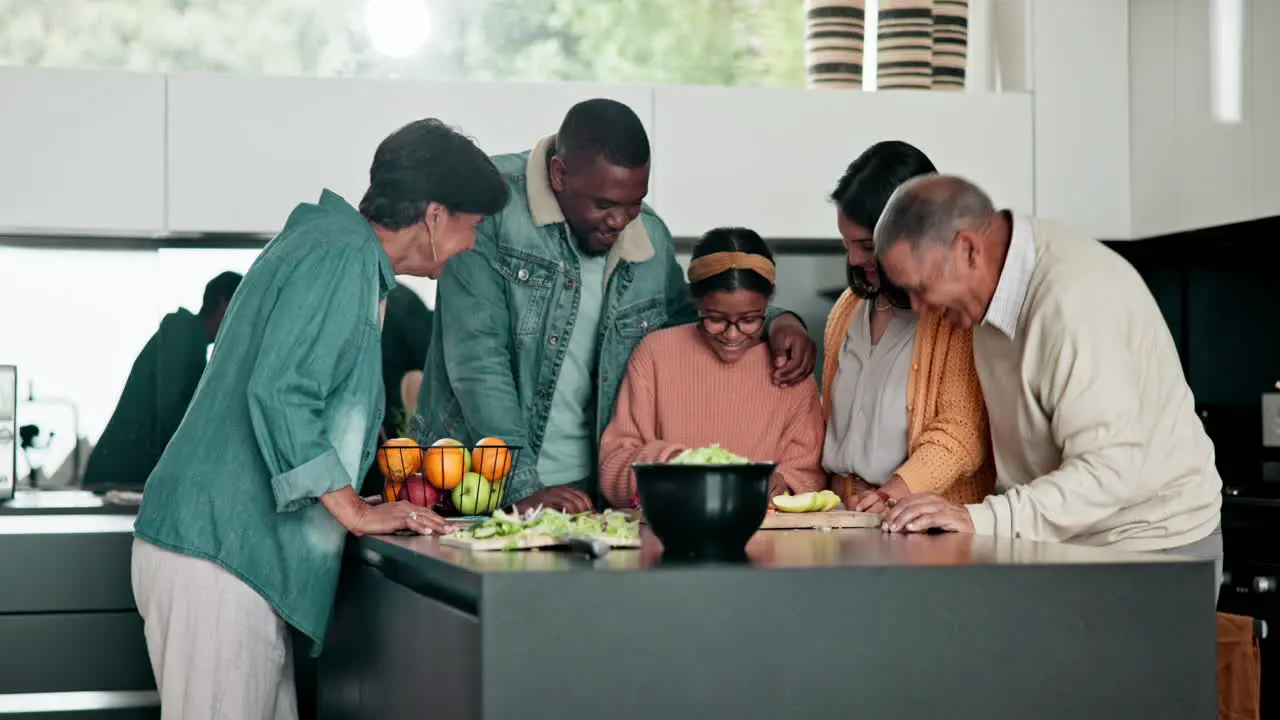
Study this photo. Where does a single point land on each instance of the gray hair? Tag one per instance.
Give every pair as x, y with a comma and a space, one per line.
930, 210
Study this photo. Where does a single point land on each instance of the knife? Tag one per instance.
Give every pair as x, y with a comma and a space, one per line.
593, 548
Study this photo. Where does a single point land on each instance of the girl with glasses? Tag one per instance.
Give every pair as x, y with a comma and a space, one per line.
709, 382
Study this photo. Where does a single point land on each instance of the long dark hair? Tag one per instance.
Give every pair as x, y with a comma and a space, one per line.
732, 239
862, 193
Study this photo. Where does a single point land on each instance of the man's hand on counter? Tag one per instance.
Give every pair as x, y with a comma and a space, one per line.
557, 497
924, 512
362, 518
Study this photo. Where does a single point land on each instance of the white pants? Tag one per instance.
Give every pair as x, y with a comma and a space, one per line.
217, 648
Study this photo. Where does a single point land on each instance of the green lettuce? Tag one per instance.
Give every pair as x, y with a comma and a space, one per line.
712, 455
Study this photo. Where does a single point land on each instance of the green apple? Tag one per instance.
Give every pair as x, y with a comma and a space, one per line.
473, 495
793, 503
831, 500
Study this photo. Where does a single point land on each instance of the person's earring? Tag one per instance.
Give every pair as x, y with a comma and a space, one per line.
431, 234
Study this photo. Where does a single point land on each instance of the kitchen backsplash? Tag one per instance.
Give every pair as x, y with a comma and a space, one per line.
74, 320
1219, 289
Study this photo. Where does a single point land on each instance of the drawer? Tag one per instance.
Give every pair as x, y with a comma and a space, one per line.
68, 652
64, 572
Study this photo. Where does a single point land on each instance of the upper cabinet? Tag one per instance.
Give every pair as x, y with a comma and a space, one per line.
1192, 153
1082, 113
1160, 123
81, 152
768, 159
1128, 132
244, 151
1264, 23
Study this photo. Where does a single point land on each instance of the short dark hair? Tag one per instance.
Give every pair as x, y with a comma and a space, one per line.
219, 289
870, 180
427, 161
603, 128
732, 239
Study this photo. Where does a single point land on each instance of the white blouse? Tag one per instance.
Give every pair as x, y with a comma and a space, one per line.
867, 431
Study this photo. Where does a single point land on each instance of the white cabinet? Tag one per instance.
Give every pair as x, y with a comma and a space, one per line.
1128, 144
1191, 168
1153, 128
1215, 177
1082, 114
81, 152
768, 159
1265, 26
243, 151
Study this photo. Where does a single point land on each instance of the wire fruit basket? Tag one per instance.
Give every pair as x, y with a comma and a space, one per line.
451, 478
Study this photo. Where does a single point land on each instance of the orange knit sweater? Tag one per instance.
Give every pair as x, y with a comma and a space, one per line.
949, 446
677, 394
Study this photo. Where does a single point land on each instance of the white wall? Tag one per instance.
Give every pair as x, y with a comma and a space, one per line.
77, 320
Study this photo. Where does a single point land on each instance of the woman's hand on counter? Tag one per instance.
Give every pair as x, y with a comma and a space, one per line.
391, 517
878, 500
870, 501
362, 518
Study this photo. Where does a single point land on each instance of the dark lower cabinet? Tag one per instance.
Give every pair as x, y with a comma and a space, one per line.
71, 640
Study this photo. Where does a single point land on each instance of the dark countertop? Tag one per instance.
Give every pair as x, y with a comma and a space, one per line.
70, 524
456, 575
927, 625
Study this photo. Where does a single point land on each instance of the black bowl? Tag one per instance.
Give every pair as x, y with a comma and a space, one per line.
704, 512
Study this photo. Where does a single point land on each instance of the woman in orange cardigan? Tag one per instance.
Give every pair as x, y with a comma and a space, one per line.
904, 408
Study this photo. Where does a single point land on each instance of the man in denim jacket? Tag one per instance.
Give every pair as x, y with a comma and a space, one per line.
534, 328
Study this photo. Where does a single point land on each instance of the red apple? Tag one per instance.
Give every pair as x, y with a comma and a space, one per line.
420, 492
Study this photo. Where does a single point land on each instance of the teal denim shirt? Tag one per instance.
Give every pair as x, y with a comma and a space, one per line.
287, 410
504, 313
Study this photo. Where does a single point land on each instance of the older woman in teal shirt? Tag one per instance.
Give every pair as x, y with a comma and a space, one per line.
241, 530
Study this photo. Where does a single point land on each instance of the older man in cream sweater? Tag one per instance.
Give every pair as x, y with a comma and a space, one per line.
1093, 425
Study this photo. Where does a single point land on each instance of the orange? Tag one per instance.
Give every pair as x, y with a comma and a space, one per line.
445, 463
399, 458
491, 459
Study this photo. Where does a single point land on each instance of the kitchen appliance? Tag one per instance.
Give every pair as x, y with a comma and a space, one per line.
8, 431
704, 512
1250, 473
1271, 437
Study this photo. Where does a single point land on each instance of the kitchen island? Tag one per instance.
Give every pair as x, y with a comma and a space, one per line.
836, 624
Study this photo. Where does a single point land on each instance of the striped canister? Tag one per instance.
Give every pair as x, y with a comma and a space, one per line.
950, 43
834, 30
904, 45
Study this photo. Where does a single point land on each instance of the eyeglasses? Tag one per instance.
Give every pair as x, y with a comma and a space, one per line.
720, 326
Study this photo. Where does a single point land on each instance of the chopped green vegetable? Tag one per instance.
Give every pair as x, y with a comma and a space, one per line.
713, 455
609, 525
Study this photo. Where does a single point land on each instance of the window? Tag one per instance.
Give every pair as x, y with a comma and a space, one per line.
718, 42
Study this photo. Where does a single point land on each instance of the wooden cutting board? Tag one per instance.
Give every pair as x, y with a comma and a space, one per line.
523, 541
831, 519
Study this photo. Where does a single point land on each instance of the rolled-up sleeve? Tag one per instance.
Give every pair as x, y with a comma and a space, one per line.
317, 311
